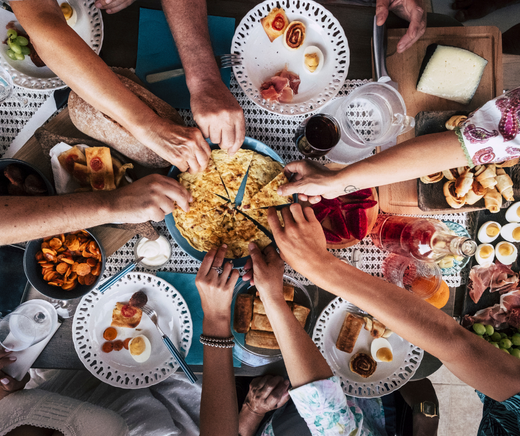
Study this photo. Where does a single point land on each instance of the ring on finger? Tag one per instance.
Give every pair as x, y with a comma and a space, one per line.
218, 269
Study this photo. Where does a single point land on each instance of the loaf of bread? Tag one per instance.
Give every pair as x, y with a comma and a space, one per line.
261, 322
256, 338
103, 128
243, 313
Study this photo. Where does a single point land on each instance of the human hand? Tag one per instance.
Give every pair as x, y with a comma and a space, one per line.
113, 6
410, 10
219, 116
8, 384
311, 181
267, 393
301, 240
265, 271
182, 146
150, 198
216, 290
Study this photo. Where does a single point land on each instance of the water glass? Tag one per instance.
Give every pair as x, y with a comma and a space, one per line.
7, 88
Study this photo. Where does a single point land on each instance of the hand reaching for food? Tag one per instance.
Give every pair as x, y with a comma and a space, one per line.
267, 393
410, 10
150, 198
113, 6
265, 272
219, 116
301, 240
215, 284
311, 181
8, 385
183, 147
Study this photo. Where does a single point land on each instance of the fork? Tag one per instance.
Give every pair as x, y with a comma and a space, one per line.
223, 61
152, 314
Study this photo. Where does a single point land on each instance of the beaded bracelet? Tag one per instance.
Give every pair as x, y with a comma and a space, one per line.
217, 342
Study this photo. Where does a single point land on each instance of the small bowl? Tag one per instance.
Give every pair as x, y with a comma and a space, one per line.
33, 272
28, 169
145, 265
254, 356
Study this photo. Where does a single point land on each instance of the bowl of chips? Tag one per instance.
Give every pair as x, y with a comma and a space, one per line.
65, 266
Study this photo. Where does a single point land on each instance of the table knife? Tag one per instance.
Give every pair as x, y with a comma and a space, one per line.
170, 74
380, 42
56, 101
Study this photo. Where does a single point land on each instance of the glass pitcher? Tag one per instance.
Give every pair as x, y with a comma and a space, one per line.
372, 115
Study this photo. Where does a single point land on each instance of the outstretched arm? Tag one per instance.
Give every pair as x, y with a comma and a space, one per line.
218, 407
150, 198
476, 362
71, 59
215, 110
409, 160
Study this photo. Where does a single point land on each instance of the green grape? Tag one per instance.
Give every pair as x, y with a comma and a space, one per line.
515, 352
490, 330
515, 339
22, 40
495, 344
503, 349
26, 51
479, 329
19, 56
503, 335
495, 337
12, 32
15, 47
11, 54
505, 343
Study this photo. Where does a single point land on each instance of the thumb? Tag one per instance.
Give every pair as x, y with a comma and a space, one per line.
290, 188
256, 255
382, 11
271, 254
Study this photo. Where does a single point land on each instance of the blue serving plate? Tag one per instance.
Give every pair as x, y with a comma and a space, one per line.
249, 144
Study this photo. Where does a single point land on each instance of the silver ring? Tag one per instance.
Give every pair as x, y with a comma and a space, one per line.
218, 269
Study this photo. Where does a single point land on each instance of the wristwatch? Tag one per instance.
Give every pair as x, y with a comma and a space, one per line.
427, 408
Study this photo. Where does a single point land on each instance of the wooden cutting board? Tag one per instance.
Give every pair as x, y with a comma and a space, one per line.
486, 41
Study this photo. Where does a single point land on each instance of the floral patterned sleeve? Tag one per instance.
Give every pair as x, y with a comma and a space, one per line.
490, 134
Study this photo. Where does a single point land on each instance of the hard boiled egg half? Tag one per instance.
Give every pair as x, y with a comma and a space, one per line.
313, 59
485, 254
511, 232
513, 213
506, 252
140, 348
381, 350
489, 232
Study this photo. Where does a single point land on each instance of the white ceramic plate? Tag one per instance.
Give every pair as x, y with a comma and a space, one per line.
262, 58
118, 368
387, 377
25, 74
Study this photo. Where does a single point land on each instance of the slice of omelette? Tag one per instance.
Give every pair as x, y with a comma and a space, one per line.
207, 181
238, 232
204, 200
232, 169
262, 170
268, 195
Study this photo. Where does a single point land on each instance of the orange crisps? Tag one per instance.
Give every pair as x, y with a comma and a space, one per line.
67, 260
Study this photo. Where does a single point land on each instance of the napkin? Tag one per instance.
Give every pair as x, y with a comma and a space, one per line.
25, 358
63, 181
156, 52
185, 284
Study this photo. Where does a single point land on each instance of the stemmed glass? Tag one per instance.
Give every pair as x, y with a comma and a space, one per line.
7, 88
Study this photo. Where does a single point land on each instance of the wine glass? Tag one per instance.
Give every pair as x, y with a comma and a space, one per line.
27, 325
7, 88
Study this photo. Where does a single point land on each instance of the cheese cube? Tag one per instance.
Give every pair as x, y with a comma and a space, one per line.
451, 73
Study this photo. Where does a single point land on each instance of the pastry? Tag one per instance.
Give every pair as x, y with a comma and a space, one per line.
261, 322
463, 183
378, 329
69, 157
493, 200
294, 35
486, 175
455, 121
476, 192
256, 338
301, 313
243, 313
432, 178
126, 316
99, 163
451, 197
451, 174
363, 365
505, 185
275, 23
349, 333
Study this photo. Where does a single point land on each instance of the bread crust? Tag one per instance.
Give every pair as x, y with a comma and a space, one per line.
349, 333
243, 313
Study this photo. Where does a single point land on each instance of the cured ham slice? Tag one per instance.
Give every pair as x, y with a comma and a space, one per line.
510, 300
281, 87
497, 277
493, 315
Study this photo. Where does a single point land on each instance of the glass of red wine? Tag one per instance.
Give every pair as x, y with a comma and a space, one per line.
317, 135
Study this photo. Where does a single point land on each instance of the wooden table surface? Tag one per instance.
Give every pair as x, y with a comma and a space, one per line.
120, 50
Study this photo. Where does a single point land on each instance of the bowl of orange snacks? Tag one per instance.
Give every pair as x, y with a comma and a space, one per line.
65, 266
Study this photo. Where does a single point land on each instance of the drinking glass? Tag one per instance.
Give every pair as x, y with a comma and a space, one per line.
7, 88
317, 135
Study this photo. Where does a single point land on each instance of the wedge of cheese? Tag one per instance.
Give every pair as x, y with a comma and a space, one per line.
451, 73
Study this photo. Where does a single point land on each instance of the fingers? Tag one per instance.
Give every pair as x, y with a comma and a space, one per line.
240, 134
248, 271
219, 256
297, 212
290, 188
256, 255
274, 222
281, 392
415, 30
205, 267
215, 135
271, 254
382, 11
309, 214
10, 384
228, 138
315, 199
287, 216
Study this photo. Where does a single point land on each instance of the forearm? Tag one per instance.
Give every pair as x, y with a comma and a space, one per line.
415, 158
218, 407
248, 421
188, 21
302, 358
465, 354
26, 218
71, 59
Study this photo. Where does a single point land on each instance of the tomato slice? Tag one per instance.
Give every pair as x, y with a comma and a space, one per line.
128, 311
96, 164
278, 22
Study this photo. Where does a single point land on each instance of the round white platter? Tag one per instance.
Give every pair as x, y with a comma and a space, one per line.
262, 58
118, 368
388, 376
25, 74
